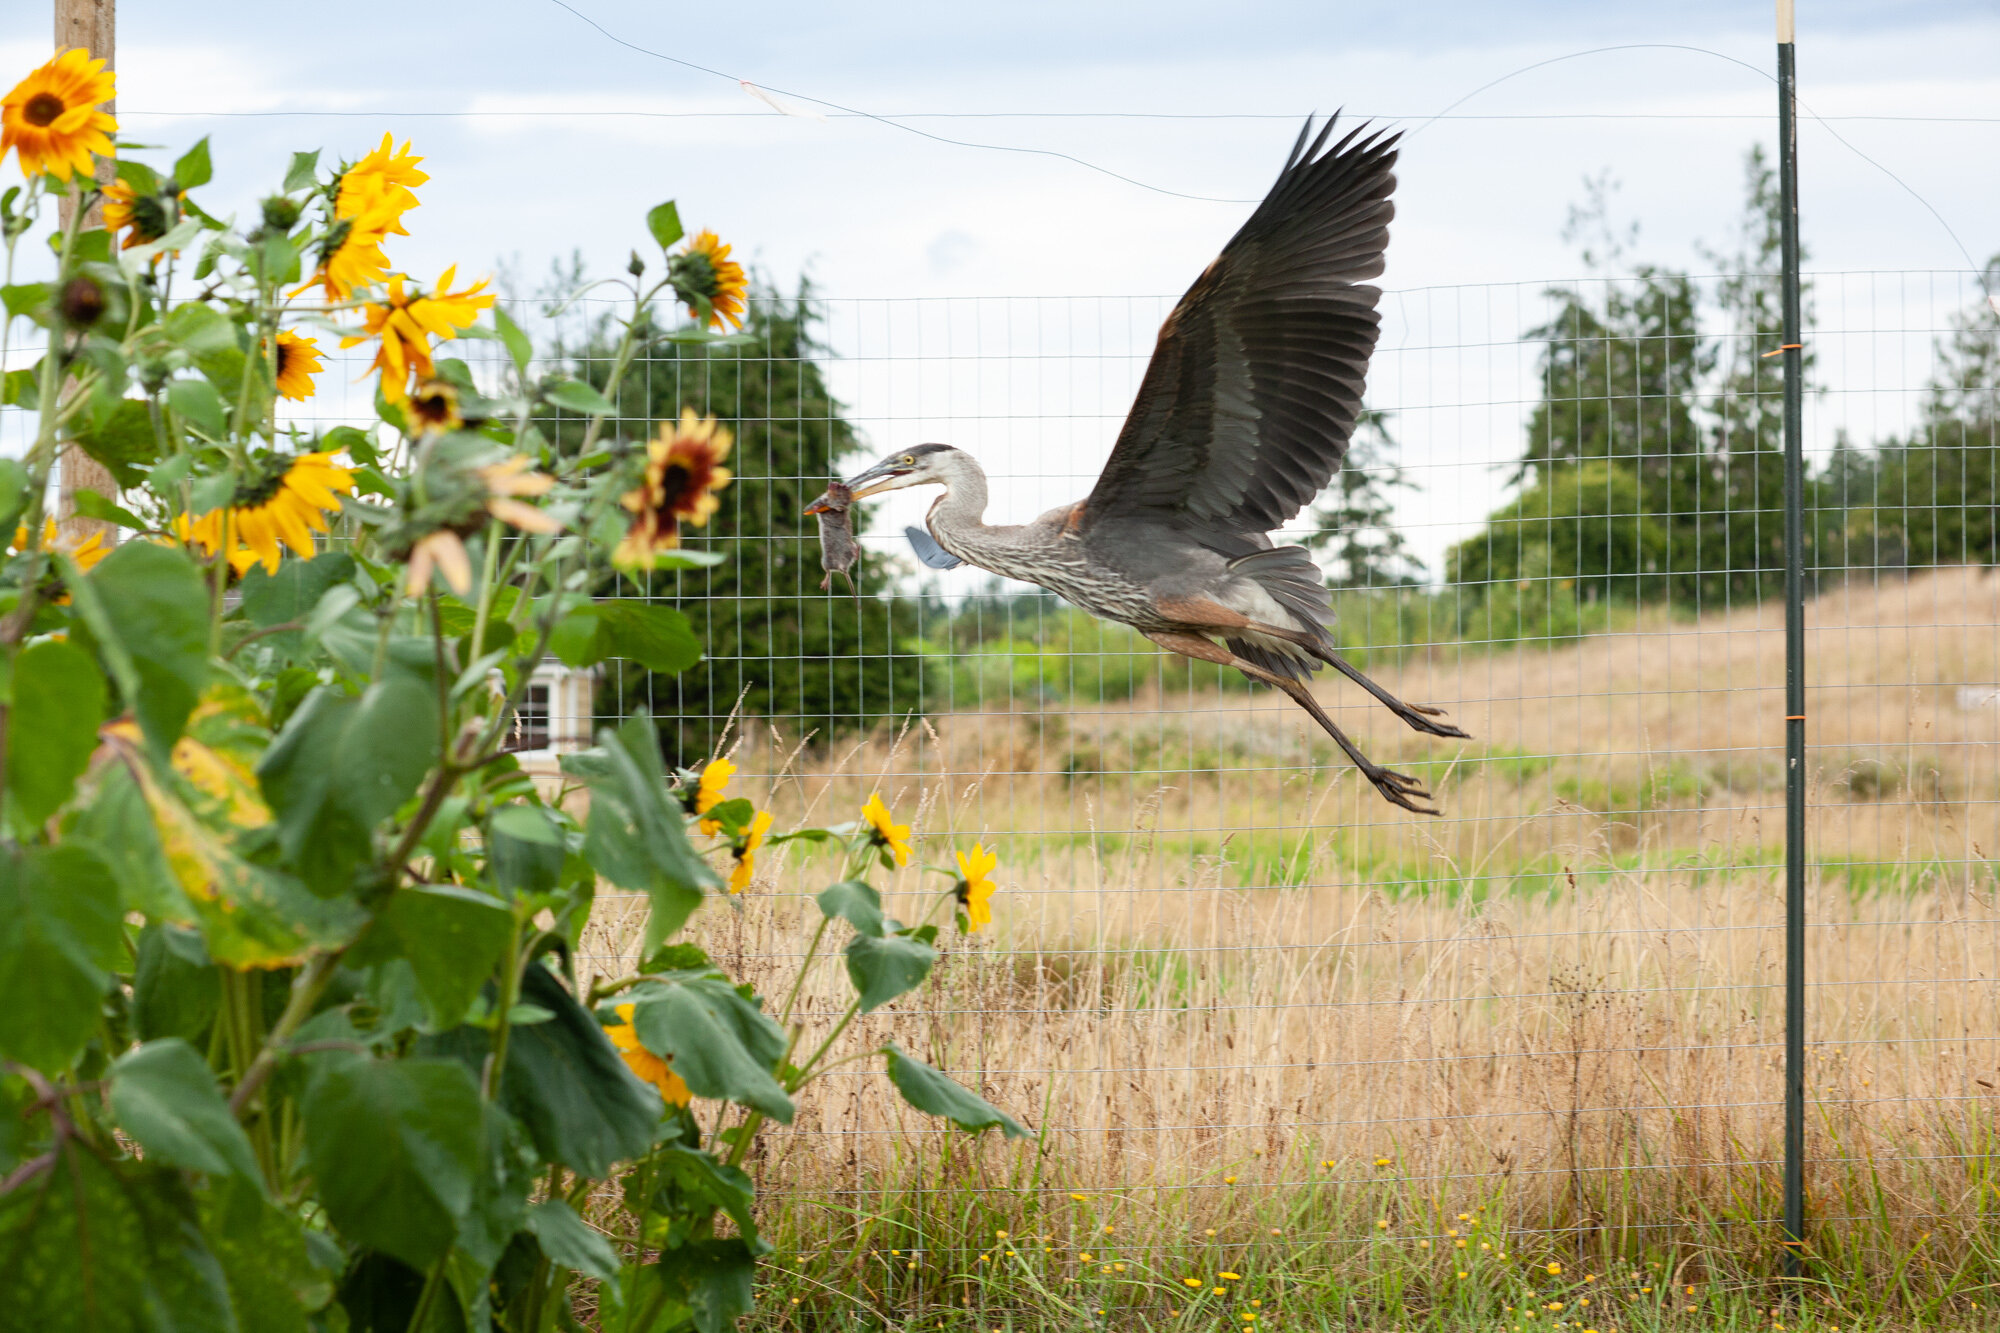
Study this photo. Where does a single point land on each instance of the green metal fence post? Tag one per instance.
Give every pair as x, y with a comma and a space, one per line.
1795, 659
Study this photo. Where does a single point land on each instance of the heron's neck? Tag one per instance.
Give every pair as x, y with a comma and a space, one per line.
962, 507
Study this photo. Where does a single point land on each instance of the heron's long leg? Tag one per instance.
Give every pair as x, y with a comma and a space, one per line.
1396, 788
1417, 715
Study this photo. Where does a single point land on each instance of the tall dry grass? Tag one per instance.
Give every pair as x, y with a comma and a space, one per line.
1226, 982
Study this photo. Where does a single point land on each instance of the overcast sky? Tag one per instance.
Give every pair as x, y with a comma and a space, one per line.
1210, 96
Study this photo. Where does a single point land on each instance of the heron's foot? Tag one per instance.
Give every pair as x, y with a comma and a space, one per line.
1401, 789
1419, 718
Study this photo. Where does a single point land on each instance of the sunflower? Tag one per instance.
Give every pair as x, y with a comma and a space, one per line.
434, 407
499, 488
379, 185
885, 831
645, 1066
704, 274
746, 851
51, 118
86, 551
282, 503
297, 358
683, 474
715, 775
406, 322
143, 218
350, 254
975, 885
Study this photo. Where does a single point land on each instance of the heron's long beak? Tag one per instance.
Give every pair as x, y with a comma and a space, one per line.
881, 477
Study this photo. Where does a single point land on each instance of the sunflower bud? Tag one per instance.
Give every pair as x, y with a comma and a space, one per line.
636, 266
281, 213
81, 302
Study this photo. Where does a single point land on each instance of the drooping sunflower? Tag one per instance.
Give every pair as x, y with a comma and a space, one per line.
703, 270
975, 885
380, 184
646, 1066
143, 218
885, 831
746, 851
406, 322
715, 775
297, 358
51, 118
494, 492
281, 504
683, 473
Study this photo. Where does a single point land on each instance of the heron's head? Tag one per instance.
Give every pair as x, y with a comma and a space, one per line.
923, 465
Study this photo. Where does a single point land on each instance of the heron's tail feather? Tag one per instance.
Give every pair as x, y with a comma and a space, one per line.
1294, 582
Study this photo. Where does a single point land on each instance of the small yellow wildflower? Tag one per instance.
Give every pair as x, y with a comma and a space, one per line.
1080, 1198
1382, 1161
1555, 1268
1229, 1180
1230, 1277
1382, 1224
1191, 1281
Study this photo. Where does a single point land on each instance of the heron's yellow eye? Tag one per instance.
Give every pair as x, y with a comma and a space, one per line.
909, 460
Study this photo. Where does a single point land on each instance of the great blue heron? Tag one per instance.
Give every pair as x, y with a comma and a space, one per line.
1243, 416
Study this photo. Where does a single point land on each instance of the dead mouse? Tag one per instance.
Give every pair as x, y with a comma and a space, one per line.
837, 548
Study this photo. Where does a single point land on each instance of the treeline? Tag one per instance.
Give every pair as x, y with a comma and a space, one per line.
1652, 472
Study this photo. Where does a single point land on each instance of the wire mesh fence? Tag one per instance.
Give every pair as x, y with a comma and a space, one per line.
1235, 993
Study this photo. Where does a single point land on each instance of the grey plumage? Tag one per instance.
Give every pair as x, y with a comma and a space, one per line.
1243, 416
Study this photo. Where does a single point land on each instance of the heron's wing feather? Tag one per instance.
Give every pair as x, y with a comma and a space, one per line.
1255, 384
929, 551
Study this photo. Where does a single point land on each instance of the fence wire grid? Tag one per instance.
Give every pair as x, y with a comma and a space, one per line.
1227, 985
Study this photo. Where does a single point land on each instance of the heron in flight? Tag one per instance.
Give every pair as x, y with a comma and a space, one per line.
1243, 416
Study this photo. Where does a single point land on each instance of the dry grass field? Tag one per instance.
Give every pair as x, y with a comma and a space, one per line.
1255, 1014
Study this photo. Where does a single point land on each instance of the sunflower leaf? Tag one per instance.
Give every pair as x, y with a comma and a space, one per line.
517, 342
193, 167
576, 396
303, 171
936, 1093
665, 224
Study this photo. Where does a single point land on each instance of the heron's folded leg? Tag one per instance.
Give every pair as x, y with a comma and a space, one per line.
1396, 788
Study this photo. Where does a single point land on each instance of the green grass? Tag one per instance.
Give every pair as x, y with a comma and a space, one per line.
1333, 1255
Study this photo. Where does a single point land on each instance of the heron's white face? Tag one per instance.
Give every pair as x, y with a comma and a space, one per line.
921, 466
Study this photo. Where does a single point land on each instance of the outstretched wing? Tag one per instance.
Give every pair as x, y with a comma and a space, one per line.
1256, 381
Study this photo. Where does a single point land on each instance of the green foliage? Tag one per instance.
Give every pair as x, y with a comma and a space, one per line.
291, 1036
1654, 462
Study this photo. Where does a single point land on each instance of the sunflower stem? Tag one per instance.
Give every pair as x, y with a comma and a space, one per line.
489, 570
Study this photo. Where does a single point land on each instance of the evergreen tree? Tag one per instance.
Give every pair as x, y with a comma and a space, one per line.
824, 662
1937, 495
1614, 469
1354, 522
1742, 553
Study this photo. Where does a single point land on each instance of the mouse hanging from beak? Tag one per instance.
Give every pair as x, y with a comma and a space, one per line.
838, 551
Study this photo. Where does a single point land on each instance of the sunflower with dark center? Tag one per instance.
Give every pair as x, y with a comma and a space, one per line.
296, 362
433, 408
282, 503
683, 474
144, 218
51, 120
713, 285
